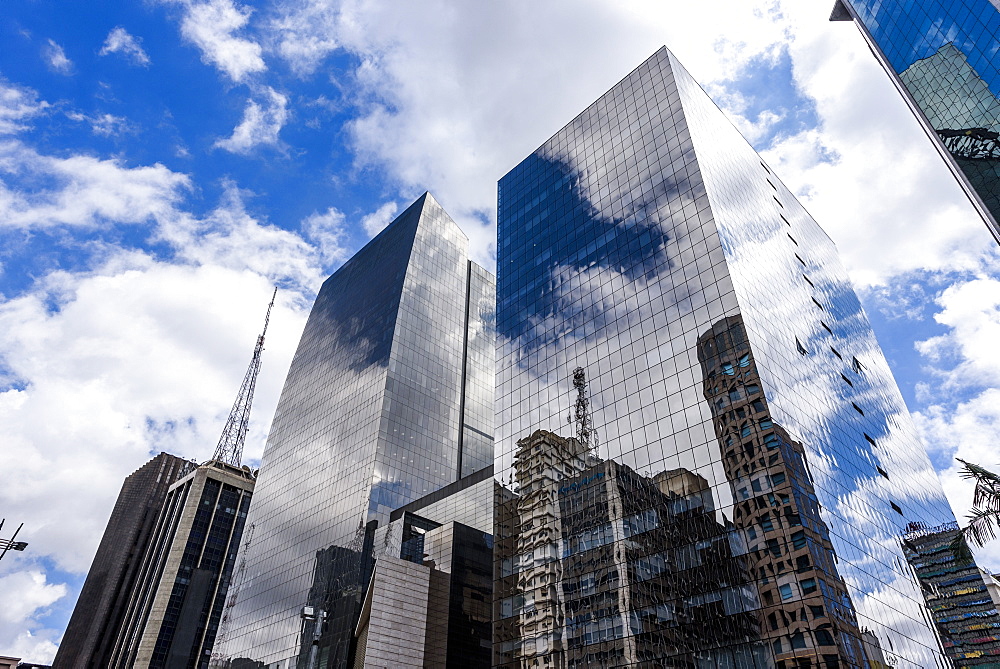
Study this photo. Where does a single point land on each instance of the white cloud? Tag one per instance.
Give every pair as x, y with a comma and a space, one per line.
327, 231
102, 124
27, 593
82, 190
966, 430
17, 104
260, 125
376, 221
55, 57
230, 237
120, 41
304, 33
971, 312
212, 26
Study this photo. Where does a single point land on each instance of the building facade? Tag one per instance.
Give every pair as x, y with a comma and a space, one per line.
941, 54
428, 604
728, 360
176, 606
90, 636
388, 399
963, 599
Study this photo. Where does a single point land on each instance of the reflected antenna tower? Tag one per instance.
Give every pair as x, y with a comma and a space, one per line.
230, 448
586, 434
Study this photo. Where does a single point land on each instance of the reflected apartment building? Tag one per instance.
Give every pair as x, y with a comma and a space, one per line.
962, 597
942, 56
389, 399
757, 464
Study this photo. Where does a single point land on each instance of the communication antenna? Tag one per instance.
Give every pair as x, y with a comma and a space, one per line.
230, 448
585, 431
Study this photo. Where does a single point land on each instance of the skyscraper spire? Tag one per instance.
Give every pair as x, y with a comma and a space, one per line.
230, 448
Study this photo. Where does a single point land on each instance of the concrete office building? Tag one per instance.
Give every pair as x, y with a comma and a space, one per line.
176, 605
93, 628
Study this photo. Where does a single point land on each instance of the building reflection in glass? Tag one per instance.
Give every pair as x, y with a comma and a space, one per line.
962, 597
807, 614
647, 242
603, 566
943, 54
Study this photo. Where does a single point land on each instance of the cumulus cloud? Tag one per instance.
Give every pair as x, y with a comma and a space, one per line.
17, 105
327, 231
213, 27
55, 57
376, 221
971, 312
137, 354
120, 41
262, 121
82, 190
230, 237
26, 593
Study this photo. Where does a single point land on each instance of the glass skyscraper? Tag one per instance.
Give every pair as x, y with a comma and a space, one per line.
942, 55
702, 457
388, 398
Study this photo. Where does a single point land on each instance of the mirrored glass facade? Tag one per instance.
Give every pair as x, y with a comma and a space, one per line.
384, 403
943, 55
754, 467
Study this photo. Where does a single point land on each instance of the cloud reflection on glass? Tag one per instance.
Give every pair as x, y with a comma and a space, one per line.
647, 243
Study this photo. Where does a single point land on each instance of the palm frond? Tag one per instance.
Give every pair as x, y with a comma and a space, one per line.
987, 492
982, 526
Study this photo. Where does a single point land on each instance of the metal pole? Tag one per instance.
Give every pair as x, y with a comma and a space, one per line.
11, 542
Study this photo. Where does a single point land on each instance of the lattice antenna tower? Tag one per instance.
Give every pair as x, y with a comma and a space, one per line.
586, 433
230, 448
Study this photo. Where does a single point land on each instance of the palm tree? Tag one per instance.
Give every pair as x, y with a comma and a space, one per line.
984, 518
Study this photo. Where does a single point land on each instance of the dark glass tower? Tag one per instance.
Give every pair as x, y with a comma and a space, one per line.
942, 55
388, 398
756, 465
97, 617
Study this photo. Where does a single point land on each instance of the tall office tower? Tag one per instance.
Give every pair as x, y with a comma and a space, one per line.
962, 597
728, 363
941, 54
388, 399
177, 603
92, 629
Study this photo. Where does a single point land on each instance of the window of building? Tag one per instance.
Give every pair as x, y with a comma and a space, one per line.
793, 239
895, 507
799, 347
882, 471
836, 353
857, 408
786, 591
847, 380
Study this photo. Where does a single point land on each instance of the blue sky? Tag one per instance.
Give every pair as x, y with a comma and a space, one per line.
164, 163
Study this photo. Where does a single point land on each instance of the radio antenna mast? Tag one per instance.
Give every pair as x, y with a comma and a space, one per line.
230, 448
